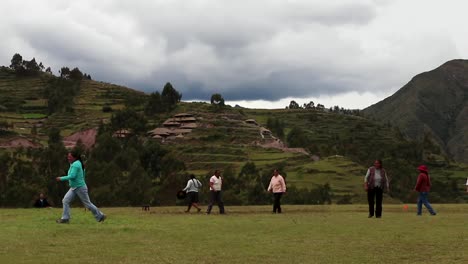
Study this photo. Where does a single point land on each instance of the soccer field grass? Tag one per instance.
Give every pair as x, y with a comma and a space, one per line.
249, 234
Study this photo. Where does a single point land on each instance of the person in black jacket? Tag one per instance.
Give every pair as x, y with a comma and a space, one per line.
41, 202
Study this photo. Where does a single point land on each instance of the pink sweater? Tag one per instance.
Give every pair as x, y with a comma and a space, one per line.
277, 184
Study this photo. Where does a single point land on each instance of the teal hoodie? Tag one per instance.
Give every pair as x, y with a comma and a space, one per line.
76, 175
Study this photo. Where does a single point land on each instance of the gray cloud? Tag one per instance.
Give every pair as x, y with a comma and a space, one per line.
246, 50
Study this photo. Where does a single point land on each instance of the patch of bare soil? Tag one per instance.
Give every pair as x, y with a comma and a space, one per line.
87, 137
18, 142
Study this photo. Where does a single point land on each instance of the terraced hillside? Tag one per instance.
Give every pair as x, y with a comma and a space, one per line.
223, 140
339, 147
23, 104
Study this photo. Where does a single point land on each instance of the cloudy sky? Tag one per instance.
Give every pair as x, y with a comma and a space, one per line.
261, 53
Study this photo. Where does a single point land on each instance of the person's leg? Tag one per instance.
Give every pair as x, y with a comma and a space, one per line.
195, 201
419, 204
426, 203
67, 200
275, 203
82, 192
220, 202
370, 200
190, 201
278, 202
378, 202
212, 199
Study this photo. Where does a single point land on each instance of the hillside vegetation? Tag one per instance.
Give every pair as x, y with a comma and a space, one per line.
322, 154
24, 103
432, 106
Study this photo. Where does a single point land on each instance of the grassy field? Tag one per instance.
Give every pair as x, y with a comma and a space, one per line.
303, 234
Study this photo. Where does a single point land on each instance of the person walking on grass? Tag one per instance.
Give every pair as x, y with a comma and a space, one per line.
76, 180
375, 182
216, 183
423, 186
193, 185
277, 187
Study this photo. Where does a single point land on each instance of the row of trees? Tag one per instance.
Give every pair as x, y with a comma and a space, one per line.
320, 107
27, 68
32, 68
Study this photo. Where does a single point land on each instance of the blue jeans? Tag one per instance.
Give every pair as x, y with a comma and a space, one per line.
82, 193
422, 199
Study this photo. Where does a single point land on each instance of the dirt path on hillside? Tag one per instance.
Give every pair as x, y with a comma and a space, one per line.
278, 144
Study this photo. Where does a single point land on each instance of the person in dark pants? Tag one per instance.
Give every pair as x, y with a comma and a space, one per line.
278, 187
374, 183
216, 183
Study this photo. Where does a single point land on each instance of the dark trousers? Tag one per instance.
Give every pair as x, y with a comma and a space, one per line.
375, 193
277, 202
217, 198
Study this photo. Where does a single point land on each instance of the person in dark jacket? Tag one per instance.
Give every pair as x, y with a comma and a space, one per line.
423, 186
41, 202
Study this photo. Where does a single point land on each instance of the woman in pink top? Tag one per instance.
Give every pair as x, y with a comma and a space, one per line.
278, 187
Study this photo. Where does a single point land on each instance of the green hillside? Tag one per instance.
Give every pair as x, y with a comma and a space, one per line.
24, 104
313, 148
432, 105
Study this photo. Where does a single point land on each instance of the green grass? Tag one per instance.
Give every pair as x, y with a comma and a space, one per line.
303, 234
34, 116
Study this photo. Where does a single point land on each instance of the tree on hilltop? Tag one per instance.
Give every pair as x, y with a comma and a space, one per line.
293, 105
170, 96
309, 105
217, 99
16, 62
64, 72
76, 74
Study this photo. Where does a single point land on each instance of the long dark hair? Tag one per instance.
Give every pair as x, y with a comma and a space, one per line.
77, 155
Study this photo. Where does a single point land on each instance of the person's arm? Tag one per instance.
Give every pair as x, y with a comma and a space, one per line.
46, 203
71, 174
418, 183
188, 186
270, 186
365, 179
367, 175
211, 185
283, 184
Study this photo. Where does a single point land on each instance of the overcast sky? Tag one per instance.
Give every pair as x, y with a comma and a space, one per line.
261, 53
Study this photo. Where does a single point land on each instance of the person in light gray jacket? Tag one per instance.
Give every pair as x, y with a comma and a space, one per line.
193, 185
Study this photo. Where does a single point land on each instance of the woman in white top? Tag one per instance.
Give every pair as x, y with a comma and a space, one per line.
216, 184
193, 185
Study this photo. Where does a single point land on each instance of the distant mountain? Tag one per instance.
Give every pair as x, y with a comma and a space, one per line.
433, 103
